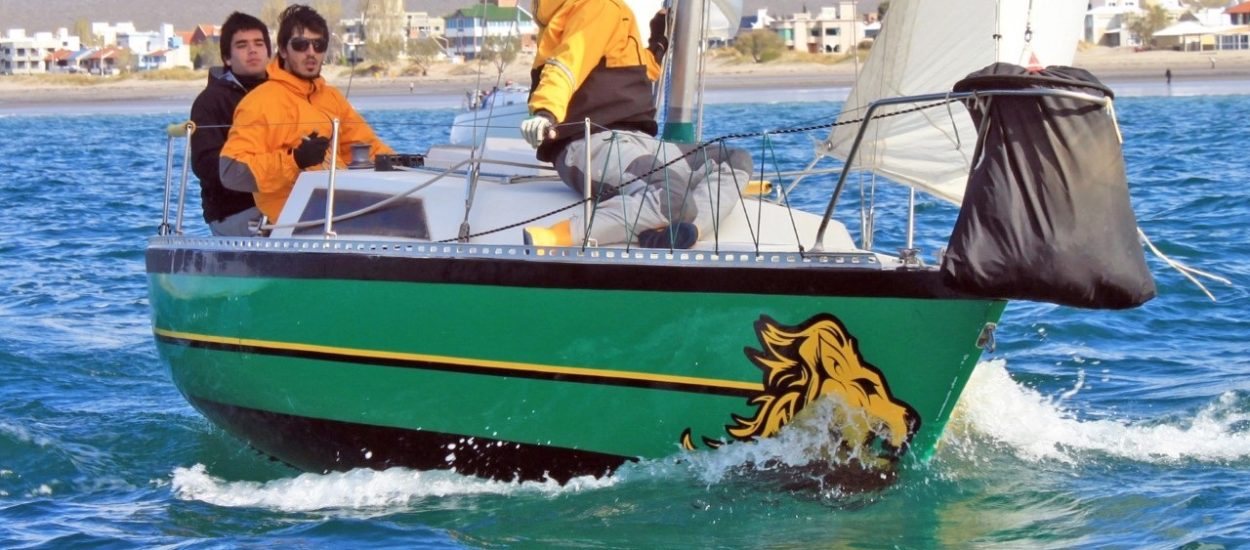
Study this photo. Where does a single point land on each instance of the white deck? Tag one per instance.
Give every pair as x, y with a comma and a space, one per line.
515, 189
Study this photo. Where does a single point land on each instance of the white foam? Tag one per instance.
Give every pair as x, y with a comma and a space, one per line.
805, 441
24, 435
356, 489
1037, 428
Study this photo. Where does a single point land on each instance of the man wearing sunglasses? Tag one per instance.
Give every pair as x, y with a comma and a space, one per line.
284, 126
245, 51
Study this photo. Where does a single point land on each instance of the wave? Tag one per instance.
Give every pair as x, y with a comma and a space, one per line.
1038, 428
994, 410
359, 489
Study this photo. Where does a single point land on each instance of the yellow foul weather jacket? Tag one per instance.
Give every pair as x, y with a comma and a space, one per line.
270, 123
591, 63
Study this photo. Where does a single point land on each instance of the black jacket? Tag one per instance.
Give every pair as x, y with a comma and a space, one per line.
212, 113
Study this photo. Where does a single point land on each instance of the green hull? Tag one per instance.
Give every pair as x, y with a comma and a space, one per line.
463, 363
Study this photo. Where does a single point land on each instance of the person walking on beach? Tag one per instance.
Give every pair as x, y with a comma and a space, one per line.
591, 63
1167, 74
245, 50
284, 126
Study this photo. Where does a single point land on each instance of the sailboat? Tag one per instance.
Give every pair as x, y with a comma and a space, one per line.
393, 317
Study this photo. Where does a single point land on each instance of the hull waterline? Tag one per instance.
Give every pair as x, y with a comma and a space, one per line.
485, 361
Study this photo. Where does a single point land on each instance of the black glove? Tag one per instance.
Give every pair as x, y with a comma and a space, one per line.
311, 151
658, 42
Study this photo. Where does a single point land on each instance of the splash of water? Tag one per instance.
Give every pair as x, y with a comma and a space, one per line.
1037, 428
356, 489
806, 456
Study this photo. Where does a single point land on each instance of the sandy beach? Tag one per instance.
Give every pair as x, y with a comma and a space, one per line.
1126, 71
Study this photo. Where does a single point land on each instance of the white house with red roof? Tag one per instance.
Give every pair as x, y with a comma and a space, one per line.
21, 53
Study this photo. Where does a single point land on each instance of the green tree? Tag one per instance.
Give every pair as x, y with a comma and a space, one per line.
1152, 19
332, 10
499, 51
205, 55
423, 52
383, 29
762, 45
82, 28
271, 13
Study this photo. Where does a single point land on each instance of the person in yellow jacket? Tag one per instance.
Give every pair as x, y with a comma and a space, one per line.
283, 127
591, 63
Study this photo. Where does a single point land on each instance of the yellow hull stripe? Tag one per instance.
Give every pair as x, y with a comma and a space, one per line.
502, 366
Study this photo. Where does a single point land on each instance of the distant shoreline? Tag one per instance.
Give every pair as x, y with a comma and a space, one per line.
1126, 72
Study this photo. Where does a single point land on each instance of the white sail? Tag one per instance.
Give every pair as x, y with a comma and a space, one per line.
721, 21
725, 18
924, 47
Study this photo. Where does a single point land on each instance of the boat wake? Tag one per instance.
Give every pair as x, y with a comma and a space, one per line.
804, 456
359, 489
1035, 427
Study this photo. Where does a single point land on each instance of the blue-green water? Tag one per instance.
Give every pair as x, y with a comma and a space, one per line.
1103, 429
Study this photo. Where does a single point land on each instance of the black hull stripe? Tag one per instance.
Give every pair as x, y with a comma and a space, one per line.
605, 380
321, 445
796, 280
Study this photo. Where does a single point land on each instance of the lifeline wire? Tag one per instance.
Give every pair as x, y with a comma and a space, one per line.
700, 147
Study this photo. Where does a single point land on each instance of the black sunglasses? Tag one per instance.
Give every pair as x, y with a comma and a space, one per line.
300, 44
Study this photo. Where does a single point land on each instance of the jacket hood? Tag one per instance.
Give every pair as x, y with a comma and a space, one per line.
544, 10
223, 76
294, 83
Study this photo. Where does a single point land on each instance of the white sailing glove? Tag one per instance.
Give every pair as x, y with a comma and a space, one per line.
534, 129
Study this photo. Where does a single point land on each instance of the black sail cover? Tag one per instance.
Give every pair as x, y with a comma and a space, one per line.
1046, 213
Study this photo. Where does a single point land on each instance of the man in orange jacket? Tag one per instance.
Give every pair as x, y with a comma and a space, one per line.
283, 127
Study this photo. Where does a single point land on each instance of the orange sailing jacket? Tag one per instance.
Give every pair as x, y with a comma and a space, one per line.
272, 120
591, 63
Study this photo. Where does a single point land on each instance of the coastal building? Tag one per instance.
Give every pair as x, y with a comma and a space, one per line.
395, 18
161, 49
420, 24
141, 42
1106, 22
1239, 14
106, 34
469, 28
1238, 37
105, 61
60, 61
831, 30
1204, 30
761, 20
835, 29
29, 54
169, 58
205, 34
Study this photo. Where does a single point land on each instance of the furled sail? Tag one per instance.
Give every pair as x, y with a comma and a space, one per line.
924, 47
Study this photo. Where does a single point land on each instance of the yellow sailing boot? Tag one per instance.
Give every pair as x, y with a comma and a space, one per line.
560, 234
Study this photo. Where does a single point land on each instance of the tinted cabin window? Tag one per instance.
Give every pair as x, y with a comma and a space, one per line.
403, 218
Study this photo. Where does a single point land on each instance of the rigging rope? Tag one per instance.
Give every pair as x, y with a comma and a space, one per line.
700, 147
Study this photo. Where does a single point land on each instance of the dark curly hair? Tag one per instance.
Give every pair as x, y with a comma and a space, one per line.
239, 21
298, 17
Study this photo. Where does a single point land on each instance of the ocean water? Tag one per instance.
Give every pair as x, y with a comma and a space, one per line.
1084, 429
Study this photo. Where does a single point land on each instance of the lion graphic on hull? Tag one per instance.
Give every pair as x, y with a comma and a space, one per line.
819, 359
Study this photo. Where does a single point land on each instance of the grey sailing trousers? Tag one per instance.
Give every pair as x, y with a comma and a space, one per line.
702, 188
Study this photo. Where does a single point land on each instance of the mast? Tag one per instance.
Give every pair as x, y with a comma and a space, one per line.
683, 91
